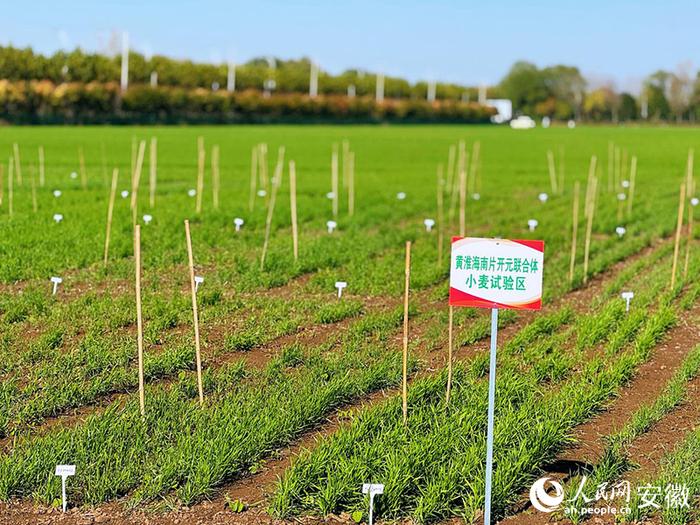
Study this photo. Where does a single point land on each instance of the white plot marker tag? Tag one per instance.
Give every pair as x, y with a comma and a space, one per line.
198, 279
56, 281
262, 193
694, 201
73, 175
147, 218
340, 285
401, 195
64, 471
627, 296
57, 217
621, 196
543, 197
620, 230
372, 489
625, 184
57, 193
429, 223
331, 225
238, 222
330, 195
476, 196
124, 194
532, 224
192, 192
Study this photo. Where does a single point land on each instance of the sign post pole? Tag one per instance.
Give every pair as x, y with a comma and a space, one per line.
492, 402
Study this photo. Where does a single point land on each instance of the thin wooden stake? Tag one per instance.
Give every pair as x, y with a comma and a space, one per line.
18, 164
10, 187
215, 175
462, 202
454, 188
449, 354
589, 185
276, 182
346, 152
440, 212
42, 177
201, 157
574, 233
611, 165
83, 171
293, 208
134, 146
110, 211
589, 228
334, 179
136, 180
473, 165
139, 317
264, 182
552, 171
679, 226
690, 239
690, 184
153, 169
407, 273
253, 178
633, 177
351, 183
195, 315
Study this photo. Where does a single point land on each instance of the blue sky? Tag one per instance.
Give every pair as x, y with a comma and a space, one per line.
459, 41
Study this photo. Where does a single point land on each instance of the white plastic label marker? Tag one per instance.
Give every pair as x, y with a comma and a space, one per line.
401, 195
340, 285
124, 194
57, 217
330, 195
625, 184
620, 230
56, 281
57, 193
64, 471
694, 201
147, 218
238, 222
198, 279
627, 296
621, 196
429, 223
192, 192
543, 197
262, 193
476, 196
331, 225
532, 224
372, 489
73, 175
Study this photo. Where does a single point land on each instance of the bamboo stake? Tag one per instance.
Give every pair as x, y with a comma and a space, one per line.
153, 169
611, 165
201, 157
18, 164
253, 177
293, 207
690, 184
264, 182
334, 179
589, 184
690, 239
454, 187
136, 180
33, 185
633, 177
679, 226
10, 187
83, 171
276, 182
449, 354
42, 179
134, 145
552, 171
474, 164
139, 317
407, 273
589, 228
574, 233
462, 202
215, 175
195, 315
351, 184
110, 211
346, 152
440, 211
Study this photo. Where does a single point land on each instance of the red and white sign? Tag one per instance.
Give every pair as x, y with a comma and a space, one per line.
496, 273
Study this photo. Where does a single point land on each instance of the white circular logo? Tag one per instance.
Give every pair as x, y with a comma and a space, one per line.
543, 501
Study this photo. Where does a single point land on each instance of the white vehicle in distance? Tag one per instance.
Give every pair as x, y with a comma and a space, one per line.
522, 122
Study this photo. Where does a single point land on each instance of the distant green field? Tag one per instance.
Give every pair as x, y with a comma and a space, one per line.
265, 385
